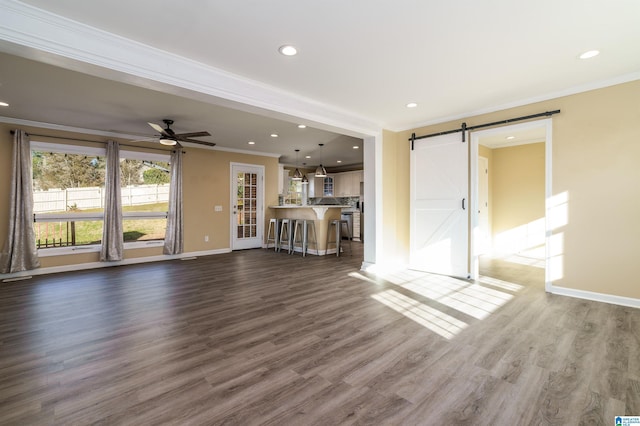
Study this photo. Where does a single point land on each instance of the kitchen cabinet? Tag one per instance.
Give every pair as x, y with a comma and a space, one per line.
347, 184
283, 180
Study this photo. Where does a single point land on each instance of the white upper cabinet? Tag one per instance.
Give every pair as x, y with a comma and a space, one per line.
347, 184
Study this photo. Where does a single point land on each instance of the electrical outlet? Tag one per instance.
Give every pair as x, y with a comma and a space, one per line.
206, 238
218, 208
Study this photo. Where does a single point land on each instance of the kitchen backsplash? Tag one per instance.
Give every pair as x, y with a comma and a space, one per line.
338, 201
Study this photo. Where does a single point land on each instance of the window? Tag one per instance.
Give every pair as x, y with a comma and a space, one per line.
68, 195
327, 187
144, 180
294, 194
69, 192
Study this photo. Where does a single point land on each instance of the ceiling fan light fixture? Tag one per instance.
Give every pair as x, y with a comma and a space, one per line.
167, 141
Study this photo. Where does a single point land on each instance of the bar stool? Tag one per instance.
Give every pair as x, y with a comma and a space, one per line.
286, 234
338, 224
301, 229
272, 233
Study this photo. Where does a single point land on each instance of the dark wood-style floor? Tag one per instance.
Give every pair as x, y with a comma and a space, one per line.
257, 337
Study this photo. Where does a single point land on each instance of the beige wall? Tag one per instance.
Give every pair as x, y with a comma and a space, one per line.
517, 197
205, 184
595, 154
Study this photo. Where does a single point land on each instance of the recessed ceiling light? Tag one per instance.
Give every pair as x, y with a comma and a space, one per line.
339, 161
4, 104
510, 137
252, 143
274, 135
288, 50
589, 54
301, 126
412, 105
307, 156
356, 147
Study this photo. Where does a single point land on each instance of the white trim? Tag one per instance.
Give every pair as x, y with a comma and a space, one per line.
97, 265
596, 297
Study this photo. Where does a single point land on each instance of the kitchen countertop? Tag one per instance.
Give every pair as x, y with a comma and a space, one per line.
308, 206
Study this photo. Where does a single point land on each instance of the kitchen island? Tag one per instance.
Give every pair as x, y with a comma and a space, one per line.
320, 214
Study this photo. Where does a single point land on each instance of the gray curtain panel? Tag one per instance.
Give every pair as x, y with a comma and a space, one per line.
173, 239
19, 252
112, 238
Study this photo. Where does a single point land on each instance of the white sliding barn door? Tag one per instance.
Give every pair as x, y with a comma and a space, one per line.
440, 205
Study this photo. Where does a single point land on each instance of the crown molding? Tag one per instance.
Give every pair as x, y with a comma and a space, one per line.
40, 35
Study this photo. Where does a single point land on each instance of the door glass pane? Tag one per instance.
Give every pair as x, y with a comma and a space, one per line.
246, 219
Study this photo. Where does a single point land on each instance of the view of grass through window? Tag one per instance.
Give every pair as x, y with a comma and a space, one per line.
69, 198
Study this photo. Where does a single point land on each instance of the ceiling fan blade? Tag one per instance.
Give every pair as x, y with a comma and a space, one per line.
145, 140
192, 135
198, 142
156, 127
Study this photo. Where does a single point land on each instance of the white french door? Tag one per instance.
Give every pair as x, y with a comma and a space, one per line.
439, 221
247, 206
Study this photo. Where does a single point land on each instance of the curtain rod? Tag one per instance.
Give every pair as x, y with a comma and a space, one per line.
87, 140
464, 127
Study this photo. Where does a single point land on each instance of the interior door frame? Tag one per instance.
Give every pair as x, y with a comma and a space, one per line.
545, 123
232, 201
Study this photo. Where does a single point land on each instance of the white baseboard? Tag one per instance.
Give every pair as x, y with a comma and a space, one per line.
97, 265
596, 297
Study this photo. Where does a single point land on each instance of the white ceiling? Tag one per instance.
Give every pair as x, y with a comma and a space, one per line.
360, 60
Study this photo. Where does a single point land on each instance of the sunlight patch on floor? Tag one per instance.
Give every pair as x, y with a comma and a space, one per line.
430, 318
471, 298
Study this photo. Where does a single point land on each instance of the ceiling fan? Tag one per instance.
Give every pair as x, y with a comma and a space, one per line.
169, 137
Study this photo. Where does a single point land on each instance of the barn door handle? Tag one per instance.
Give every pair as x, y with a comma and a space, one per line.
463, 208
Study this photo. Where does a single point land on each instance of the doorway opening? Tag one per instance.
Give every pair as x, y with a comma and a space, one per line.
510, 183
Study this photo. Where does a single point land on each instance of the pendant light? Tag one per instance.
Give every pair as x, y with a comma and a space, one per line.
320, 170
305, 180
297, 175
